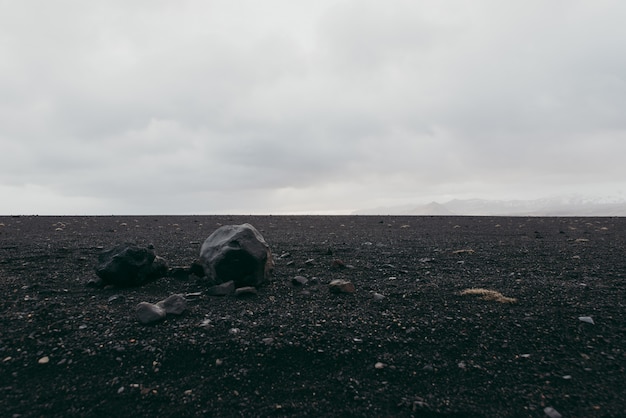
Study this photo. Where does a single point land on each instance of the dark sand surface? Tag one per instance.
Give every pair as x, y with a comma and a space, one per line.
423, 350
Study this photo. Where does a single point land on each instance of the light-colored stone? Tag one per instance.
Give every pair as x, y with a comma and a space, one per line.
149, 313
175, 304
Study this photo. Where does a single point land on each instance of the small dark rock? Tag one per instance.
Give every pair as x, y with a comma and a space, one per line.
378, 296
299, 280
337, 264
341, 286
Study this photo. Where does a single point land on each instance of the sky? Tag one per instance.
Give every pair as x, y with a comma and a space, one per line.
325, 107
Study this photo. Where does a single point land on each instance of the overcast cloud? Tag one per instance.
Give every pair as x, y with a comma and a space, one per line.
192, 107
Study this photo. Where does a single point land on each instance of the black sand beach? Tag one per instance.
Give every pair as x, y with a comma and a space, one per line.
420, 349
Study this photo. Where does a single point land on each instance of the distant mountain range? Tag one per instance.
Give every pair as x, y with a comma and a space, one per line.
556, 206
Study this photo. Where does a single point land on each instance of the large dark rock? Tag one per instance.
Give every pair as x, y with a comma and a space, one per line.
238, 253
129, 265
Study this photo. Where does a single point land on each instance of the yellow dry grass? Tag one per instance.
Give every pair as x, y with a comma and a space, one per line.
487, 294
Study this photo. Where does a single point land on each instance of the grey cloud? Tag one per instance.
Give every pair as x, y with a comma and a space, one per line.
337, 104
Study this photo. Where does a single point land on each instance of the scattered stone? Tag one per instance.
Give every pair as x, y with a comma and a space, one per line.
238, 253
267, 341
379, 365
284, 255
44, 360
341, 286
378, 296
586, 319
551, 412
337, 264
175, 304
129, 265
309, 262
223, 289
299, 280
149, 313
245, 291
115, 297
206, 324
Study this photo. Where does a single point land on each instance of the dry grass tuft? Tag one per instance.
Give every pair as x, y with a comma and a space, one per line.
487, 294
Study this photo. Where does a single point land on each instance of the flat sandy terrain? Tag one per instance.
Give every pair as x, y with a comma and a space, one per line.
406, 343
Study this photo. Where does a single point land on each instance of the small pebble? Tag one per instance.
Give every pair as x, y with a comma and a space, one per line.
299, 281
379, 365
586, 319
341, 286
44, 360
551, 412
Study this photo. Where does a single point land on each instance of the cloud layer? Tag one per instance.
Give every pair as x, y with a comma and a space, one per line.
285, 106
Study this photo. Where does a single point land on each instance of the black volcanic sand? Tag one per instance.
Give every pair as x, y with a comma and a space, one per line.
423, 350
